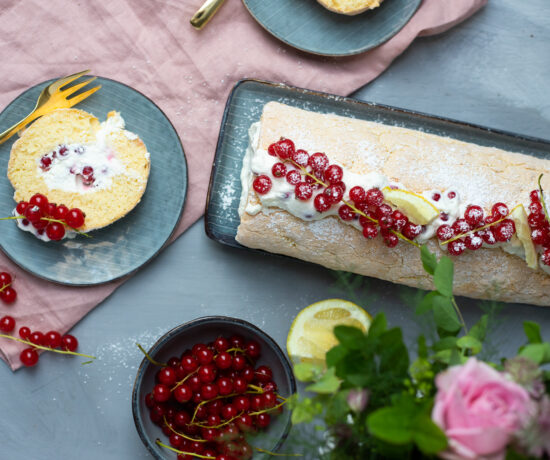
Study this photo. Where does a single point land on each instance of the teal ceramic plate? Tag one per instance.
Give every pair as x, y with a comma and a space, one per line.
126, 245
308, 26
245, 105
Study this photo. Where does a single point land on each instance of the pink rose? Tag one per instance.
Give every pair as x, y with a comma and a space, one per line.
479, 410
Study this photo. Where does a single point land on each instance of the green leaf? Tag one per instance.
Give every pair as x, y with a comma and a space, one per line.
532, 331
455, 358
429, 259
391, 424
426, 303
394, 355
446, 343
304, 411
444, 314
378, 326
335, 355
306, 372
327, 384
428, 436
350, 337
537, 352
479, 329
469, 343
337, 408
443, 276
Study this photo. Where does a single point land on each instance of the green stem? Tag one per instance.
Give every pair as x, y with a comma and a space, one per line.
151, 360
48, 219
181, 434
459, 314
275, 454
64, 352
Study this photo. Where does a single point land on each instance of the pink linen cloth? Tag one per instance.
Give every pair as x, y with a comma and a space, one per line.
151, 46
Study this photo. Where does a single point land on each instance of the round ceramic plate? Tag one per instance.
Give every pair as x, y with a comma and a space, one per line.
126, 245
308, 26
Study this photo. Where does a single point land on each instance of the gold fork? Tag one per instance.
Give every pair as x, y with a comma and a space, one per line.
51, 98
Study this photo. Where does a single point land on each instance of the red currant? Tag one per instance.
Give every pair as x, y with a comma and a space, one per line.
264, 374
7, 324
278, 170
322, 202
37, 338
535, 220
29, 357
535, 196
205, 355
539, 236
5, 279
303, 191
456, 247
167, 376
181, 418
460, 226
436, 196
293, 177
209, 391
21, 206
55, 231
270, 400
263, 420
346, 213
161, 393
391, 240
445, 232
334, 193
221, 344
535, 207
239, 362
500, 209
451, 195
473, 242
253, 349
45, 162
545, 258
223, 360
256, 402
370, 230
229, 411
242, 403
183, 393
284, 148
386, 222
69, 342
318, 162
488, 236
24, 332
225, 386
262, 185
52, 339
473, 215
334, 174
245, 422
240, 385
248, 373
411, 231
75, 218
61, 212
399, 220
505, 230
207, 373
300, 157
357, 194
374, 197
41, 201
33, 213
189, 363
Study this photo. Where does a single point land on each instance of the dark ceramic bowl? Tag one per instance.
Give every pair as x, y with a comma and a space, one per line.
204, 330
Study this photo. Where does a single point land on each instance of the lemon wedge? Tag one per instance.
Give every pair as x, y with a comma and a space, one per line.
414, 206
311, 336
519, 216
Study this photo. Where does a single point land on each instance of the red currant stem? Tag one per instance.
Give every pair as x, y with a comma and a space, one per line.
459, 314
227, 422
263, 411
12, 218
235, 349
542, 200
181, 434
40, 347
183, 380
65, 224
255, 387
462, 235
5, 287
184, 453
319, 181
151, 360
259, 449
218, 397
280, 397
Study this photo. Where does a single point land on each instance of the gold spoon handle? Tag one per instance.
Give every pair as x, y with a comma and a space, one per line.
205, 13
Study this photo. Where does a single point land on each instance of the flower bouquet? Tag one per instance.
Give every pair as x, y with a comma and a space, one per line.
377, 402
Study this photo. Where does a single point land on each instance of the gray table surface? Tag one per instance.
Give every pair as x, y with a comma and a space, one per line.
492, 70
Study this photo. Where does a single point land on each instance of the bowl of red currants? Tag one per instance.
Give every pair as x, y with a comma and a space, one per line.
215, 388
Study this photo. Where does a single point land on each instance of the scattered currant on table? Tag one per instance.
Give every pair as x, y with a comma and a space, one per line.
48, 218
7, 292
210, 397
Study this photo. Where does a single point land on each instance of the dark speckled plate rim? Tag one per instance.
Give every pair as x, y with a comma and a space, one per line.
381, 40
418, 115
185, 186
165, 338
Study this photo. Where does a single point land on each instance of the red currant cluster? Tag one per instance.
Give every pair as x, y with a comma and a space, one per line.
209, 398
540, 228
52, 339
311, 173
490, 229
62, 151
7, 292
49, 217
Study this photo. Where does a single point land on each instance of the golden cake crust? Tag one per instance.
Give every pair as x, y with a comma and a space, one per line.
420, 162
65, 126
350, 7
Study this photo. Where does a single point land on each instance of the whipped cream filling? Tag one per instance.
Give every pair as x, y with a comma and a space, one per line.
84, 168
257, 161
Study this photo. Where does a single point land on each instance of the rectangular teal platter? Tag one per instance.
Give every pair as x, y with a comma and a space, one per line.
245, 105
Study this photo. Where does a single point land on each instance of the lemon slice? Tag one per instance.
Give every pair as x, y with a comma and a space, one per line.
523, 232
414, 206
311, 336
